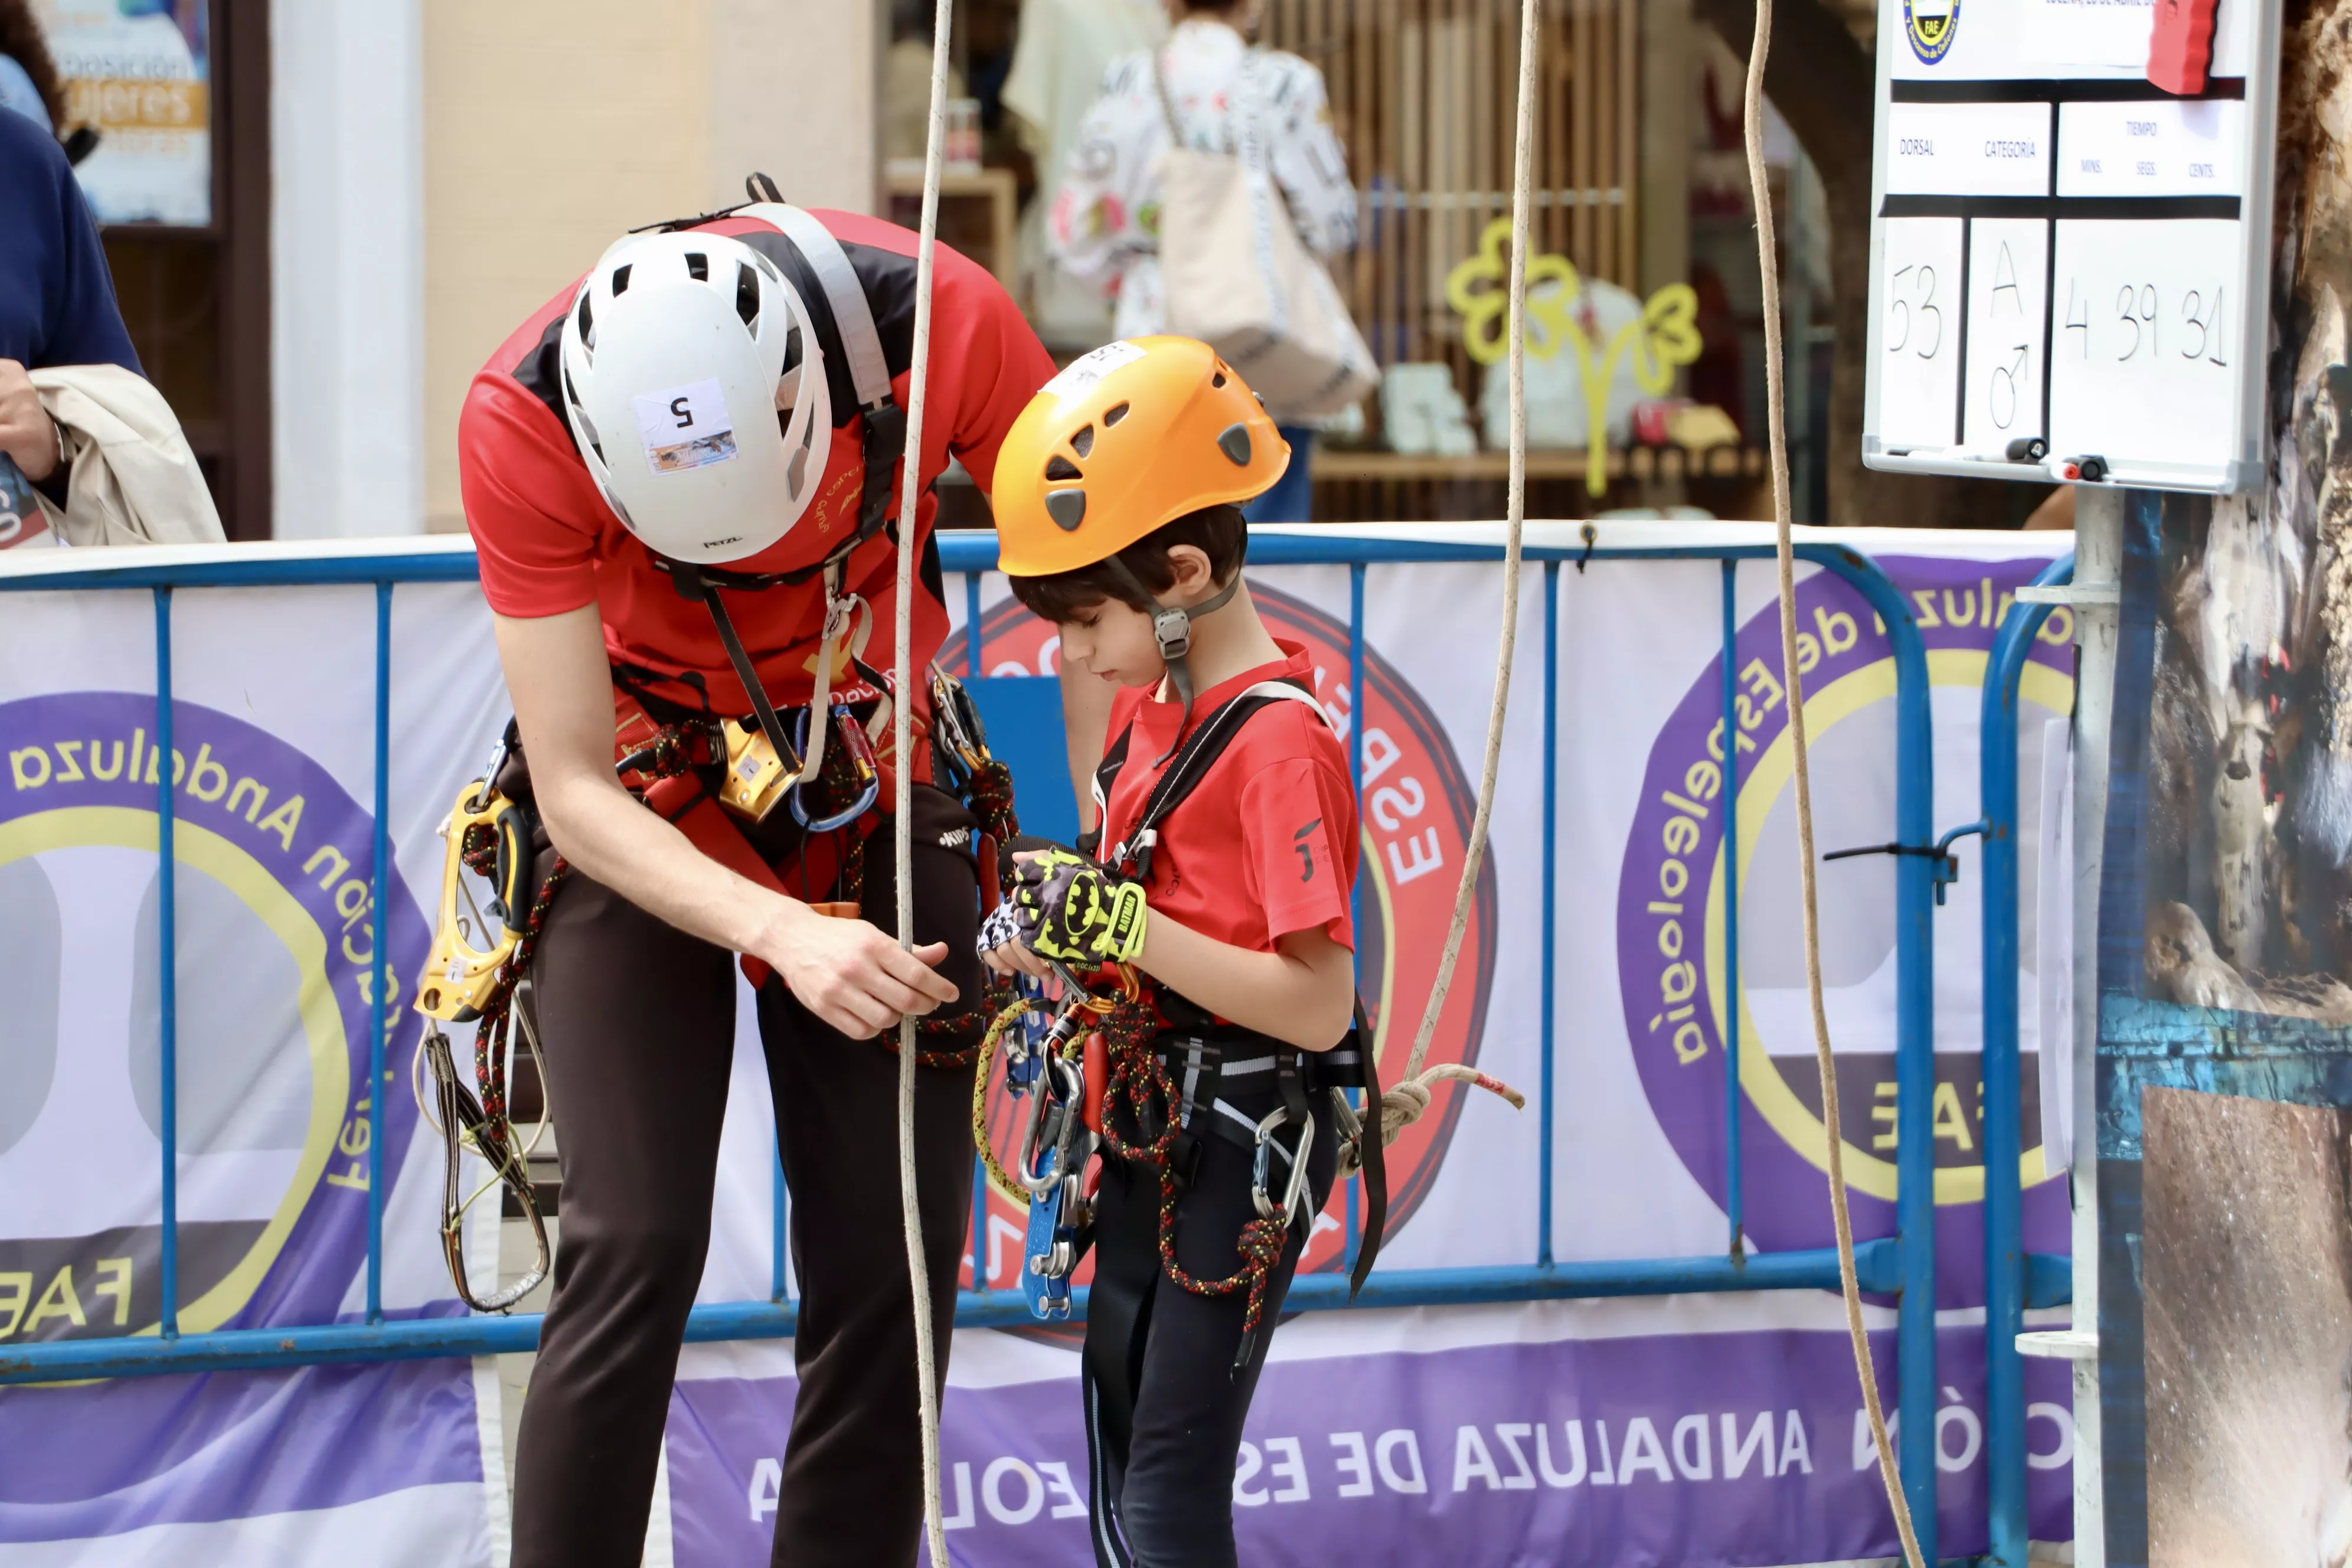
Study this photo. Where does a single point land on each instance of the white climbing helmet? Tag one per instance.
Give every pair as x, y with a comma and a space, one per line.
696, 392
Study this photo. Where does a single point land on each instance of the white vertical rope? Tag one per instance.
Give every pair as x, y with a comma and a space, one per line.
1767, 263
902, 700
1515, 515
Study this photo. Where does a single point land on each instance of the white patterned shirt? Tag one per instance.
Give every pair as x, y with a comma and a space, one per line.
1105, 223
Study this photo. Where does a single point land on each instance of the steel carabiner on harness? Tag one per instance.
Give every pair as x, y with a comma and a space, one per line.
865, 768
1294, 1197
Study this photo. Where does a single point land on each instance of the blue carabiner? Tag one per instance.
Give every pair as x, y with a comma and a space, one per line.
861, 755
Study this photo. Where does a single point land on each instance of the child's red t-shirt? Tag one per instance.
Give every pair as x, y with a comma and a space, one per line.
1265, 844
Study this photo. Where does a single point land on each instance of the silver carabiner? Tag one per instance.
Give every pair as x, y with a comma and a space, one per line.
1261, 1166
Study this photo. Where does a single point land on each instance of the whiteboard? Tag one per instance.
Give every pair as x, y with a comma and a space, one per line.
2063, 253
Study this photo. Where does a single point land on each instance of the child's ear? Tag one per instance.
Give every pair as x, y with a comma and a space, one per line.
1189, 566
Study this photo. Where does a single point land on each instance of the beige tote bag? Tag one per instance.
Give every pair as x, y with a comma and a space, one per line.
1238, 276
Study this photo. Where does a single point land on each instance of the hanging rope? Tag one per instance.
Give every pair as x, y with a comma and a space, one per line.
1403, 1102
1768, 265
902, 751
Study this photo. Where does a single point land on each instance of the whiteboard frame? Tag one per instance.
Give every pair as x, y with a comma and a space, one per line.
2245, 469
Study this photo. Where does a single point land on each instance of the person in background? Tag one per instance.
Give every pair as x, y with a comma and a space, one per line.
28, 77
57, 297
98, 446
1105, 223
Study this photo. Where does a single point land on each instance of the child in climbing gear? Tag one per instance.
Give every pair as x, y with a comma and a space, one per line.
1217, 889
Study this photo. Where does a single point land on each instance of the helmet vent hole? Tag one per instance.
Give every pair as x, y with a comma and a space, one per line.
1061, 468
746, 296
698, 266
1066, 507
1217, 380
621, 278
1113, 417
1083, 443
1234, 443
587, 325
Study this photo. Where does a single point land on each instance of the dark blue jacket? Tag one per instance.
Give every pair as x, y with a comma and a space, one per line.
57, 297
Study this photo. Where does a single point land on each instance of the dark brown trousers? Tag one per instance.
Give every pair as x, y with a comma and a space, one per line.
636, 1020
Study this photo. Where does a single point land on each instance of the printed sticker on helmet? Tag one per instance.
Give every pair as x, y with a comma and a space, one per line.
685, 426
1080, 376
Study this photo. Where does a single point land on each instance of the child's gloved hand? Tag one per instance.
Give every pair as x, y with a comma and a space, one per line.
1072, 910
1001, 929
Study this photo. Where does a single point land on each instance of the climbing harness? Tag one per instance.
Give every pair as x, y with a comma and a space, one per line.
1148, 1084
1792, 672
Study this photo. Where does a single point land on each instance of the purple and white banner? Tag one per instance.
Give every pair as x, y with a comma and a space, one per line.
272, 759
1686, 1431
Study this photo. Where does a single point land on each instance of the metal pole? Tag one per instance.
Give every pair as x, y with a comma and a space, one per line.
979, 1224
2003, 1107
167, 944
776, 1243
379, 952
1359, 706
1734, 1195
1550, 899
972, 665
2099, 576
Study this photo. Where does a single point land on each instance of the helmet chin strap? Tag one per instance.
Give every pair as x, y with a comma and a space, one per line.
1173, 629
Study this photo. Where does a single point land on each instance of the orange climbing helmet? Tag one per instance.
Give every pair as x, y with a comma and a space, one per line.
1126, 440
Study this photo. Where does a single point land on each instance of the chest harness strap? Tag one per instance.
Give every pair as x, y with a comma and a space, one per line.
827, 283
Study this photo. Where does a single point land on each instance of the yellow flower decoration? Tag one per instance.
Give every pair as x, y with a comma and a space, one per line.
1664, 337
1485, 312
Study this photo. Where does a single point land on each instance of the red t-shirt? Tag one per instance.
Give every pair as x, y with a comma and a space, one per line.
1265, 844
547, 542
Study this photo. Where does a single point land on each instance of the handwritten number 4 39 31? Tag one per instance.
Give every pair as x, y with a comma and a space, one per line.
2141, 323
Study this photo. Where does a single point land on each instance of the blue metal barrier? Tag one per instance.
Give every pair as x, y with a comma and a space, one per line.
1903, 1266
2005, 1282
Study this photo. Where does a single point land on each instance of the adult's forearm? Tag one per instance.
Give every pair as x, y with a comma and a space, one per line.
606, 834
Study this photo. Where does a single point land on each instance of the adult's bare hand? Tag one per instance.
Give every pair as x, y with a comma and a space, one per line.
850, 975
26, 432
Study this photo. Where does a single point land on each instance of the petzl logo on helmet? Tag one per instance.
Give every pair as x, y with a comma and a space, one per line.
1416, 821
1931, 25
276, 937
1670, 916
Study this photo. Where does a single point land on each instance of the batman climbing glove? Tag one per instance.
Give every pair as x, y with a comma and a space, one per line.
1074, 911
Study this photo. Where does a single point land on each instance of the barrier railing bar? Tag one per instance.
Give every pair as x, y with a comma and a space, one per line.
410, 1338
1545, 1034
167, 965
779, 1197
1915, 1057
1359, 708
959, 551
972, 665
2004, 1220
1904, 1264
980, 1280
1735, 1196
379, 954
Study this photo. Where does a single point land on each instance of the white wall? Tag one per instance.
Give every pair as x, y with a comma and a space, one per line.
347, 233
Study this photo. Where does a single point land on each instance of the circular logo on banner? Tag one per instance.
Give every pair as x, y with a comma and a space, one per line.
1416, 823
1931, 25
276, 927
1672, 905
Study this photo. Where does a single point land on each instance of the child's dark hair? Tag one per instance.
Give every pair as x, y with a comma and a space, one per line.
1217, 531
